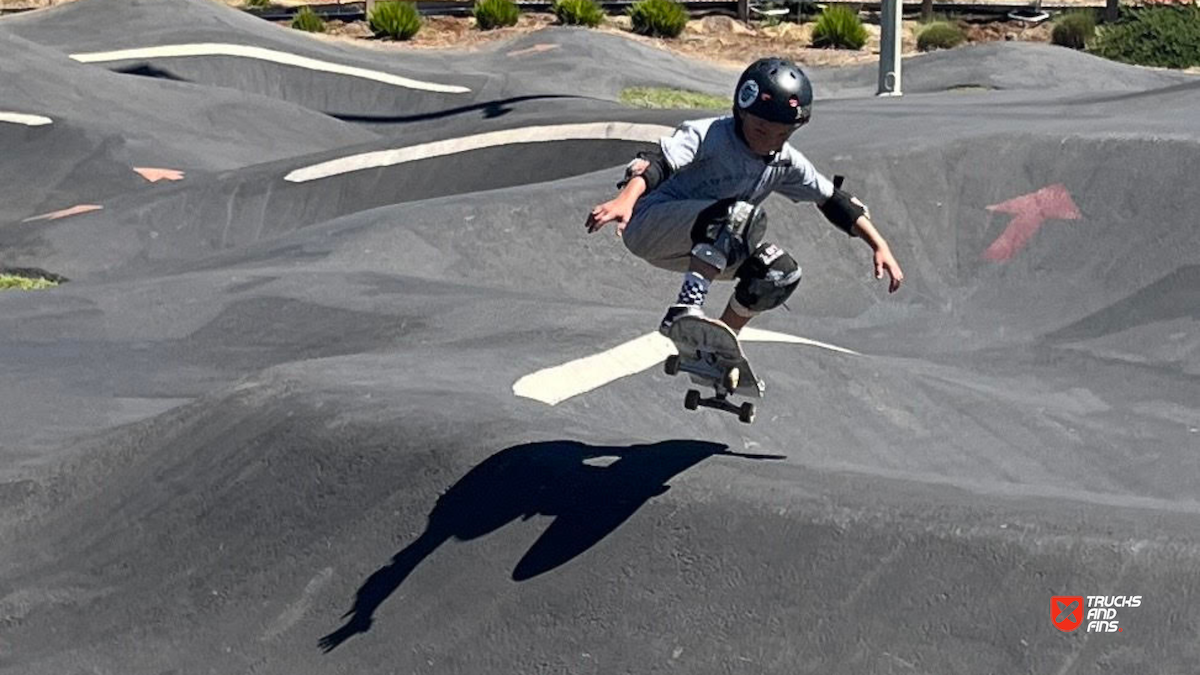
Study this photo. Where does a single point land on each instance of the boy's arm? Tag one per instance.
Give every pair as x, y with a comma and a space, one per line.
672, 154
844, 210
632, 188
851, 216
864, 228
619, 208
646, 172
884, 260
651, 166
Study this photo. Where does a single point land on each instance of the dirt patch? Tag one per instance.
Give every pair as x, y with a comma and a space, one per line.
717, 39
720, 40
1006, 30
438, 32
731, 43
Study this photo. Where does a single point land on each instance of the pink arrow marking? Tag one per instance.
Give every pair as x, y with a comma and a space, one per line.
154, 175
1029, 212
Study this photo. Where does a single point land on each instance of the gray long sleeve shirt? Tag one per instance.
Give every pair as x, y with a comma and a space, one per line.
710, 162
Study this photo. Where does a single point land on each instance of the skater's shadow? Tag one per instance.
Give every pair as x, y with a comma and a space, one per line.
589, 497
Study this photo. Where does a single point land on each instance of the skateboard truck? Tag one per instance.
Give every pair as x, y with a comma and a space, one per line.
708, 351
719, 401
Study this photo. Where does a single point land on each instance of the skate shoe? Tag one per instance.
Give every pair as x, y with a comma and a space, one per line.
676, 311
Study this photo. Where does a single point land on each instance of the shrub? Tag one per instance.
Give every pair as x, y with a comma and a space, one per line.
397, 20
491, 14
839, 27
308, 21
940, 36
259, 4
1154, 36
1074, 29
664, 18
579, 13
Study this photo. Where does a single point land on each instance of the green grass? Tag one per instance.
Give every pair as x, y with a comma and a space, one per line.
10, 282
660, 98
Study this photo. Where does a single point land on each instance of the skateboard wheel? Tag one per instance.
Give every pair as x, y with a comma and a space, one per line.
746, 415
732, 378
692, 400
671, 367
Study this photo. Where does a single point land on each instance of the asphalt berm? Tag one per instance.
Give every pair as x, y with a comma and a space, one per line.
296, 409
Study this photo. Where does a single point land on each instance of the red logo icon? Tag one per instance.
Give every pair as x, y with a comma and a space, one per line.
1066, 611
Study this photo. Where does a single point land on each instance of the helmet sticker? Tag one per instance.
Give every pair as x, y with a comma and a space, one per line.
747, 94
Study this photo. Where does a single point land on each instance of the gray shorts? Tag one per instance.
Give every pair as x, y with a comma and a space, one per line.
660, 232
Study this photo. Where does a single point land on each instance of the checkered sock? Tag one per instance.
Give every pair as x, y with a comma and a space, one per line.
694, 289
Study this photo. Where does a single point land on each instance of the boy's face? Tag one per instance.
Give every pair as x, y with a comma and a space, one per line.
765, 137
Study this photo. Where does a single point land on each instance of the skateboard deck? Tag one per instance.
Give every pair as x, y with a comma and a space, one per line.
710, 353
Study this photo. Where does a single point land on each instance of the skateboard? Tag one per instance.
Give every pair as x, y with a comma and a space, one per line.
709, 351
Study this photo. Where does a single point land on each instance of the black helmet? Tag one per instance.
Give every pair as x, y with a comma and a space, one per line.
776, 90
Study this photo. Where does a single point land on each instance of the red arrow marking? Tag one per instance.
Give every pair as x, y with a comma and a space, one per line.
1029, 212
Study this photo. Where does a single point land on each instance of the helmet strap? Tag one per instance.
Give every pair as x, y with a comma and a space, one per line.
737, 125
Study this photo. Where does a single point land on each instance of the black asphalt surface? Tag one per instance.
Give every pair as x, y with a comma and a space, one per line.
269, 426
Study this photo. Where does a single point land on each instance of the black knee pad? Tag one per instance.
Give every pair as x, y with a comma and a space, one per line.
767, 279
725, 232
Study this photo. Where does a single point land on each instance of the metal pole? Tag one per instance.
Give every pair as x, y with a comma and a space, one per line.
889, 48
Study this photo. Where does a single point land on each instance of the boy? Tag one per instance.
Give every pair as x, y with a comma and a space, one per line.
693, 206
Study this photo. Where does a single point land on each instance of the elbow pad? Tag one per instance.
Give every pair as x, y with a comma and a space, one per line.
658, 170
842, 209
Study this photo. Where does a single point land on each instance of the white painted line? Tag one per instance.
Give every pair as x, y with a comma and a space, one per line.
27, 120
263, 54
623, 131
559, 383
749, 334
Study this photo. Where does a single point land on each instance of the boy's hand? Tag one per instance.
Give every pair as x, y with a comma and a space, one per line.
884, 260
620, 210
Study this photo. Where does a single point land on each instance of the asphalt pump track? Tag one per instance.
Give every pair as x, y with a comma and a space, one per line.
339, 384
